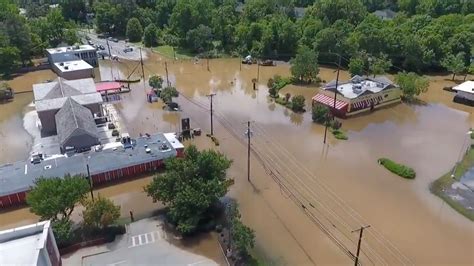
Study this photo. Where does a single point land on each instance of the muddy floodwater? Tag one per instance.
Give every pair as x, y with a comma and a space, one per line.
305, 197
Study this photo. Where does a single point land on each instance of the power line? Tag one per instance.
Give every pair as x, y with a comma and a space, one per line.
361, 230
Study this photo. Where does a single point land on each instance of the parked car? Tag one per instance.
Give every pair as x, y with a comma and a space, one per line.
87, 37
115, 40
128, 49
90, 42
101, 47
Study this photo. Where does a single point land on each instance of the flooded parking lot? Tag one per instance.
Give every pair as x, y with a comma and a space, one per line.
305, 197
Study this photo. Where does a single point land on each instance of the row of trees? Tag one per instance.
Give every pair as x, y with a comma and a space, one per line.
423, 35
23, 37
56, 198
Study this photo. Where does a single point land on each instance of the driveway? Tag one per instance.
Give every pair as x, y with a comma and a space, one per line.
145, 244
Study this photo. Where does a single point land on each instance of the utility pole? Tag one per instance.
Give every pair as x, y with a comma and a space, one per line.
335, 96
143, 71
167, 78
207, 60
90, 181
240, 63
361, 231
212, 111
108, 47
249, 134
258, 71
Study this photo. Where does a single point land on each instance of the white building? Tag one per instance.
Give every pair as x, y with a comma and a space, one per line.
72, 53
78, 69
29, 245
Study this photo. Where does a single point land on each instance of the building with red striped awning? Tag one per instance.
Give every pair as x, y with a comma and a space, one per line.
357, 95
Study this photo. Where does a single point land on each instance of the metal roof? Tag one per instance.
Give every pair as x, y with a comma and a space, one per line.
73, 65
63, 88
74, 119
71, 49
55, 104
358, 86
20, 176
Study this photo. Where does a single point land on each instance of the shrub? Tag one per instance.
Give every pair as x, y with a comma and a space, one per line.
399, 169
339, 134
277, 83
320, 113
298, 103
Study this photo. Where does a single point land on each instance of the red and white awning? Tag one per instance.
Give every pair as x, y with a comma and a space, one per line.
329, 101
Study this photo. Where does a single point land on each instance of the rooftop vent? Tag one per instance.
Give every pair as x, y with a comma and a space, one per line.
61, 64
66, 67
148, 150
47, 167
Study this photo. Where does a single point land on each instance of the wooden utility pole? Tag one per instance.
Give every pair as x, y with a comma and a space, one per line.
207, 60
167, 78
108, 47
240, 63
90, 182
258, 71
334, 105
212, 111
249, 134
361, 231
143, 71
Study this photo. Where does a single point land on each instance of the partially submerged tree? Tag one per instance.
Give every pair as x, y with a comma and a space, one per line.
243, 237
155, 81
319, 113
134, 30
168, 93
100, 213
454, 64
55, 198
357, 65
298, 103
411, 84
304, 67
150, 36
190, 186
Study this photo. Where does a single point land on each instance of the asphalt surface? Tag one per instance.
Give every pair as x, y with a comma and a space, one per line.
116, 48
145, 244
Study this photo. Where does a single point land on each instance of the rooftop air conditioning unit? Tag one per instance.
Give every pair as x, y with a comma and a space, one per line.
61, 64
66, 67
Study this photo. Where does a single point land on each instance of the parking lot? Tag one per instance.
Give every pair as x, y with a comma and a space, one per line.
145, 244
117, 47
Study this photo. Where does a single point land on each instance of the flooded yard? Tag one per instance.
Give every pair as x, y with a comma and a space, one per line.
305, 197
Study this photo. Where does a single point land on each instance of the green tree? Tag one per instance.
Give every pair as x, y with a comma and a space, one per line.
55, 198
8, 57
319, 113
243, 237
70, 36
19, 36
298, 103
150, 37
357, 65
134, 30
73, 9
100, 212
304, 67
199, 39
411, 84
155, 81
168, 93
454, 64
62, 230
190, 186
330, 11
379, 65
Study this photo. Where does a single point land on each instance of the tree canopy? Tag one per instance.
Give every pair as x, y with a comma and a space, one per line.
134, 30
155, 81
100, 212
411, 84
190, 186
168, 93
55, 198
304, 67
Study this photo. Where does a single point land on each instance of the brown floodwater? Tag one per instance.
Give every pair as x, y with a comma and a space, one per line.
340, 184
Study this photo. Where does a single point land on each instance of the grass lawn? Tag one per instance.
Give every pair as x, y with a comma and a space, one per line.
167, 51
445, 181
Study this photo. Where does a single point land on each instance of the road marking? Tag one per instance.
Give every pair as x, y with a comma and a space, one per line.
147, 238
116, 263
201, 262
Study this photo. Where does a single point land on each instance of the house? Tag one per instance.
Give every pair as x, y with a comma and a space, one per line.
464, 93
358, 95
72, 53
32, 244
77, 69
50, 98
75, 127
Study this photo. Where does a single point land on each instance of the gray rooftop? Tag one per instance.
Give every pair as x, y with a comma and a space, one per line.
358, 86
72, 119
74, 48
19, 176
63, 88
55, 104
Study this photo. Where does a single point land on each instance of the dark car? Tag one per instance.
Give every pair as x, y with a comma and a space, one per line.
128, 49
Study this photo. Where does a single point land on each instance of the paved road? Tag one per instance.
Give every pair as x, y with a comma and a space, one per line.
145, 244
116, 48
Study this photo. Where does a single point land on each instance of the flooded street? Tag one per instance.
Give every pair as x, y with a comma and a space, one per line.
305, 197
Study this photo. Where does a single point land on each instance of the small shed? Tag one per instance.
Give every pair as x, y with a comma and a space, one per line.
76, 127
